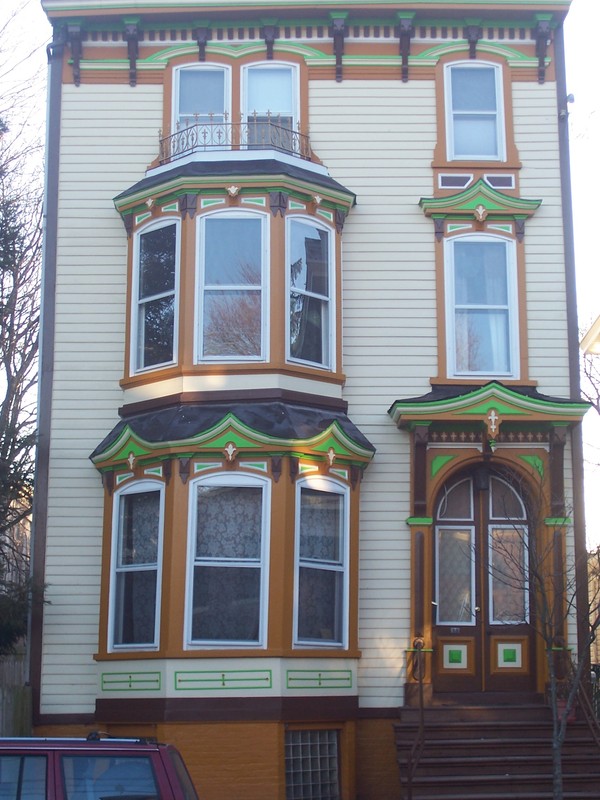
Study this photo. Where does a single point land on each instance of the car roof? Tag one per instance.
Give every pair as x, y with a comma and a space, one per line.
92, 743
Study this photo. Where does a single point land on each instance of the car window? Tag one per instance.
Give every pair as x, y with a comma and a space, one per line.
187, 787
100, 777
22, 777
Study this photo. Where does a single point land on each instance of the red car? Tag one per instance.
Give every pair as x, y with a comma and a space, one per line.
92, 769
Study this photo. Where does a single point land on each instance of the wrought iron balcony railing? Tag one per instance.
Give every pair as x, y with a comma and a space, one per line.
214, 133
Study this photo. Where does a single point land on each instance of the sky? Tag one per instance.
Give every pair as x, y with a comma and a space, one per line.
29, 34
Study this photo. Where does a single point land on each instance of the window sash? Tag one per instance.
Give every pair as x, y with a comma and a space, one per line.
227, 577
321, 584
201, 96
481, 307
474, 112
136, 567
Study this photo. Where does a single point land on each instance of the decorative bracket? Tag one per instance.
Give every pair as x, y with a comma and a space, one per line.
188, 204
542, 33
439, 227
108, 480
340, 219
202, 36
405, 32
473, 34
184, 469
128, 223
339, 33
269, 33
278, 202
74, 37
132, 35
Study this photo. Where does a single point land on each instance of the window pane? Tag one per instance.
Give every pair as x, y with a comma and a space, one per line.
270, 89
321, 531
473, 89
108, 777
312, 765
22, 777
232, 323
320, 603
229, 522
232, 248
480, 273
135, 607
455, 564
476, 136
226, 604
201, 95
139, 526
457, 502
482, 342
505, 502
309, 259
308, 328
157, 261
508, 575
156, 331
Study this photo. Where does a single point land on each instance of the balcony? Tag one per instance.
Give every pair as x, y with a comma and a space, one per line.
217, 134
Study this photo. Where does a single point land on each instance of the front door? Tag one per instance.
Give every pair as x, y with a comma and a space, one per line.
482, 636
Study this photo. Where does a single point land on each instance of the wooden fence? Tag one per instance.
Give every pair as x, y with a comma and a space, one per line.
15, 696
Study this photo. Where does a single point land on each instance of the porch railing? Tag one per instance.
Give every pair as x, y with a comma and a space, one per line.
258, 132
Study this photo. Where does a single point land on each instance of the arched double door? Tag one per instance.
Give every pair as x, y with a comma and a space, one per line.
483, 639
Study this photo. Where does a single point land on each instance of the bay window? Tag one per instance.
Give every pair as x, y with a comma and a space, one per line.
136, 557
481, 307
201, 96
228, 561
321, 586
270, 105
309, 280
474, 112
155, 294
230, 308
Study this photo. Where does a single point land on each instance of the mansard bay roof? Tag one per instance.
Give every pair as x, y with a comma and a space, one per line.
263, 427
269, 174
513, 404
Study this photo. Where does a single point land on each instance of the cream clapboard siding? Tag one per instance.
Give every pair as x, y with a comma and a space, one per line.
109, 136
536, 134
389, 310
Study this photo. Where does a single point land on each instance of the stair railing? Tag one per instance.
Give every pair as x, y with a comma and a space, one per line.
414, 756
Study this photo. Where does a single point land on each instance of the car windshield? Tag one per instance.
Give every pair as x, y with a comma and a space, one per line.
104, 777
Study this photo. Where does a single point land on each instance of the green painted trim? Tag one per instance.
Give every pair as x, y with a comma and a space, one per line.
219, 680
419, 650
131, 681
535, 462
439, 462
419, 521
319, 679
479, 194
558, 522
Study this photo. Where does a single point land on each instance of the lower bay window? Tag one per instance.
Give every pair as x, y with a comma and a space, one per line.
228, 561
321, 593
135, 571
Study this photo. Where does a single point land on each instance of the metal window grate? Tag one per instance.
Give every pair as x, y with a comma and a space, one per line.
312, 765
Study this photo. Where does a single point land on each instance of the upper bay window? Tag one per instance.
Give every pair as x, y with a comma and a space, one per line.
155, 293
135, 572
228, 561
310, 293
321, 588
230, 308
201, 95
481, 307
270, 105
474, 112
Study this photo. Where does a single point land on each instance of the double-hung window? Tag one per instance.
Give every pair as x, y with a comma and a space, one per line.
231, 302
228, 573
270, 105
201, 96
481, 307
474, 112
136, 560
155, 295
310, 293
321, 587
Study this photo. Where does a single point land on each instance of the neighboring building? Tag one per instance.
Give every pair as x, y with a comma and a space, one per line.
309, 351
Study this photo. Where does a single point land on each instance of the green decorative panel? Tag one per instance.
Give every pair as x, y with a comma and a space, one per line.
212, 680
535, 462
438, 462
319, 679
131, 681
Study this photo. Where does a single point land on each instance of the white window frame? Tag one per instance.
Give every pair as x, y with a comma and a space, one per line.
137, 487
199, 358
329, 362
512, 306
135, 365
500, 155
331, 486
204, 67
228, 480
246, 112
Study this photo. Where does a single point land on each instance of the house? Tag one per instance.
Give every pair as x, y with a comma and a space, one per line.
309, 352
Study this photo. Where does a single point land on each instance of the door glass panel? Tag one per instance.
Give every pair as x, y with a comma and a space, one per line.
455, 576
505, 502
456, 502
508, 577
